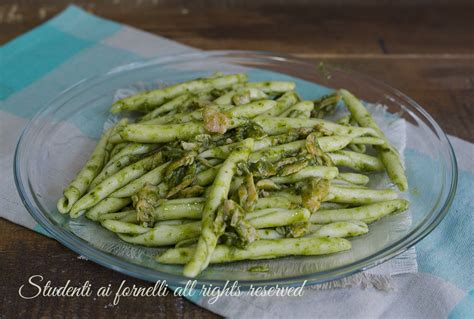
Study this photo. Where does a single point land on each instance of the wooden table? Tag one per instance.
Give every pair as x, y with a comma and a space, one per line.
425, 51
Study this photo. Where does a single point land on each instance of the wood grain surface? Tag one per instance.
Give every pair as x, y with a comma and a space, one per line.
423, 48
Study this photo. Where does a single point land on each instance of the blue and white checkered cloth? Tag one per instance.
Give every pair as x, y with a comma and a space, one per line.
75, 45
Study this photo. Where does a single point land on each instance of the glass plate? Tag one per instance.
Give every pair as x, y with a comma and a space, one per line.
59, 139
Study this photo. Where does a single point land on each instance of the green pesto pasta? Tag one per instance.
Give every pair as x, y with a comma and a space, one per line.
222, 169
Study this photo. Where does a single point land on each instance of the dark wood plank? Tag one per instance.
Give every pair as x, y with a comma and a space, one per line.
269, 25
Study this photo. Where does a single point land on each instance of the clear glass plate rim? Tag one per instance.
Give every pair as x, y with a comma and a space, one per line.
82, 247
